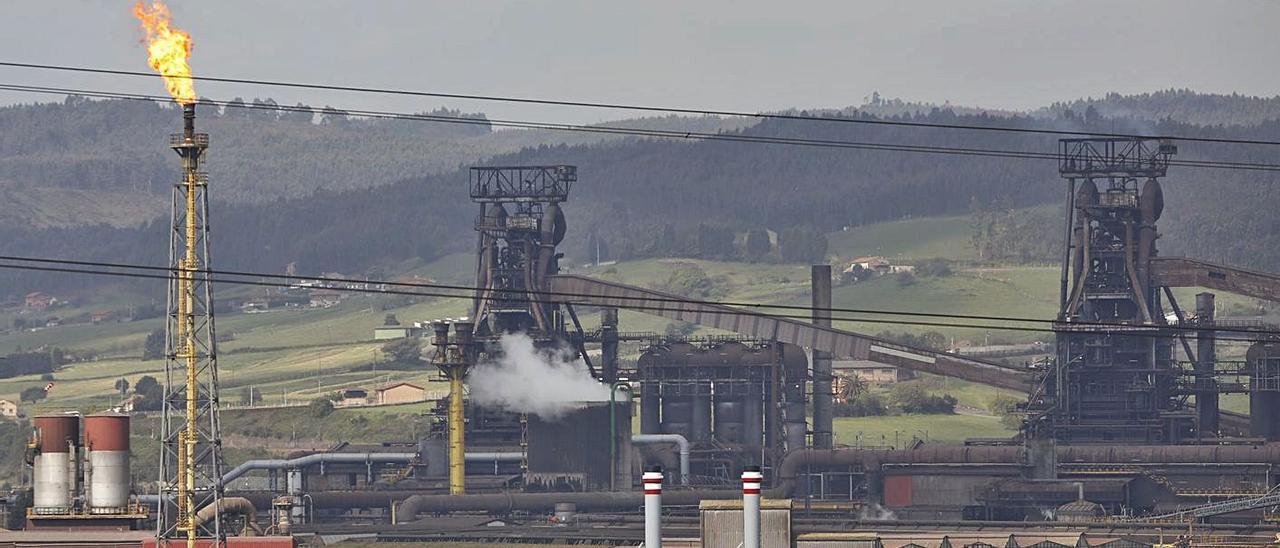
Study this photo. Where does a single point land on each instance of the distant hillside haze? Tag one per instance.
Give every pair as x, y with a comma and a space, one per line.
350, 195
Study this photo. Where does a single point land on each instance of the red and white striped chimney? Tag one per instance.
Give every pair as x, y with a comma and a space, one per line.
751, 478
652, 480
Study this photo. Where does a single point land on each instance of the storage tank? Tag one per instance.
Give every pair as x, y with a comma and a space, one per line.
106, 438
54, 472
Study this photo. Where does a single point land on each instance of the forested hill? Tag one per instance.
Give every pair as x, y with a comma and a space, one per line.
80, 160
632, 192
1207, 109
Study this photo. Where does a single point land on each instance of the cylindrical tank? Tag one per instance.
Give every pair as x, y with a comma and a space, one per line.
753, 414
728, 419
650, 396
677, 410
1264, 396
701, 414
106, 437
54, 470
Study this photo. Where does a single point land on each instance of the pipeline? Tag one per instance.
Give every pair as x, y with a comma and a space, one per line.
1138, 455
317, 458
680, 441
494, 456
231, 505
505, 503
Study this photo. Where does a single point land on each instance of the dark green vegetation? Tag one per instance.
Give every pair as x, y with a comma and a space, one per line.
357, 196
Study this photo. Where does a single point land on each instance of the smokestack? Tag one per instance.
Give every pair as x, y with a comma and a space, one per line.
462, 332
751, 478
442, 338
823, 413
189, 121
652, 480
1206, 356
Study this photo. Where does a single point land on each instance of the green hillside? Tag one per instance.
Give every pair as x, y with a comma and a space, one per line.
912, 239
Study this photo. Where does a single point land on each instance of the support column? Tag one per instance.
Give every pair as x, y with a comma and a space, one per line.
820, 280
1206, 355
457, 427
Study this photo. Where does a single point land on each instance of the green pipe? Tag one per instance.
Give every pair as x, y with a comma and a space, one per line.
613, 429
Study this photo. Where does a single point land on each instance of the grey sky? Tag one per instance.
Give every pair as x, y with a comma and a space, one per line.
728, 55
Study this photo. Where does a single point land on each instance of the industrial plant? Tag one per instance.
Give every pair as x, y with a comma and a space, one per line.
621, 436
1123, 442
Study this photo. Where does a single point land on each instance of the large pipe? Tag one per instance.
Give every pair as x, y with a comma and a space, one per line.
494, 456
751, 478
1066, 248
231, 505
823, 407
1133, 455
505, 503
681, 442
652, 480
320, 458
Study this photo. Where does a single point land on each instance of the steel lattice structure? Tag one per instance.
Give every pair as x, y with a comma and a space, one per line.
191, 465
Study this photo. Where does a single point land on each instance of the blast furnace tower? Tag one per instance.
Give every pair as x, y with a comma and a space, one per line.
520, 225
1116, 382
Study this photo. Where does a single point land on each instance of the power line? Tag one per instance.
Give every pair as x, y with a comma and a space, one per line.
638, 108
681, 300
641, 132
506, 296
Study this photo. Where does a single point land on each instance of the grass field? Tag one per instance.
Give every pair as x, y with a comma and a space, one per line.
298, 354
883, 431
285, 355
907, 240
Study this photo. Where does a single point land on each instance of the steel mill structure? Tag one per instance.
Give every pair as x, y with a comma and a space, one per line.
1123, 442
1121, 372
191, 466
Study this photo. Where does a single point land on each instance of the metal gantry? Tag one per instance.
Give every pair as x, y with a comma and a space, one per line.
190, 467
1113, 383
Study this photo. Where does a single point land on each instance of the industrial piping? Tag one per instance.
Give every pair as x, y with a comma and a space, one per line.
677, 439
318, 458
1138, 455
231, 505
505, 503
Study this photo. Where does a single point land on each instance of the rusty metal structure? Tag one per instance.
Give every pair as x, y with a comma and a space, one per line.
191, 464
1111, 383
519, 225
1119, 374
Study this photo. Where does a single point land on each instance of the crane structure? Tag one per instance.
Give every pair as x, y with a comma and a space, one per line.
190, 466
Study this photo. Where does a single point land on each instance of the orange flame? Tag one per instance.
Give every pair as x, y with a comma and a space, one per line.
167, 50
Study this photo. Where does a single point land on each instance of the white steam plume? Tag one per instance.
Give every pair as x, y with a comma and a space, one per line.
546, 383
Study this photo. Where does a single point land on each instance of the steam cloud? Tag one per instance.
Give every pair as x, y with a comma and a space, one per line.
546, 383
874, 511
